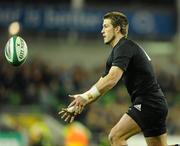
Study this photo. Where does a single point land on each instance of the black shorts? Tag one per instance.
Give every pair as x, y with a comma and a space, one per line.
150, 115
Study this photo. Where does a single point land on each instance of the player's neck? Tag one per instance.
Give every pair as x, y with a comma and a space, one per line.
116, 40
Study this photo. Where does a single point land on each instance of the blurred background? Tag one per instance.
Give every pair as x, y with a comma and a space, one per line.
67, 55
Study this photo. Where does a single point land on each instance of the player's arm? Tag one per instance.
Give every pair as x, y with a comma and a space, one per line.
110, 80
103, 85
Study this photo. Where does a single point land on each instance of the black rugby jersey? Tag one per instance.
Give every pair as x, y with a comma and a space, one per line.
138, 75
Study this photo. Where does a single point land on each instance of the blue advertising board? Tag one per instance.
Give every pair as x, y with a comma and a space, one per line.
156, 23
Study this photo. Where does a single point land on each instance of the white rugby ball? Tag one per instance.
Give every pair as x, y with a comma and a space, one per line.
16, 51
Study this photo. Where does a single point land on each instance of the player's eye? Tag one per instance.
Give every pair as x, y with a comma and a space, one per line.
105, 26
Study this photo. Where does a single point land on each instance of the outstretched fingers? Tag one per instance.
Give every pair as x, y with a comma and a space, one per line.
68, 114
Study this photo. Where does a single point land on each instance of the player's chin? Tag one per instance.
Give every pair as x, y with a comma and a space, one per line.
106, 42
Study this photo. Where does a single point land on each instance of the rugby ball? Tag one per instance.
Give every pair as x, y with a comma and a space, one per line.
16, 51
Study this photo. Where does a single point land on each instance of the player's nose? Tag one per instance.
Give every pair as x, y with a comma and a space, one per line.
102, 31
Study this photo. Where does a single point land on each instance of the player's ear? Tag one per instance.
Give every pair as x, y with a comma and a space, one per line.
118, 29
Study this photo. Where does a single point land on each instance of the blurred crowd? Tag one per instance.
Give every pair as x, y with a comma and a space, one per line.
38, 83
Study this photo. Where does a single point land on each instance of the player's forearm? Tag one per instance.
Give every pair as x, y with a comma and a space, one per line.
110, 80
92, 94
101, 87
105, 84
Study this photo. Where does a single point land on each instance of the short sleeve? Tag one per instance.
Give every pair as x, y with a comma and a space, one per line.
122, 55
108, 65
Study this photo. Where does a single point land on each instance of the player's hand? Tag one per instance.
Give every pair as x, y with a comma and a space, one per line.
75, 107
68, 114
78, 102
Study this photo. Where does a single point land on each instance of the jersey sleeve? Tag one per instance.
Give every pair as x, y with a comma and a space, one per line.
122, 56
108, 66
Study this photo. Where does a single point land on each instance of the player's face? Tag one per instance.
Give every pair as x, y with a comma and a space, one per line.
108, 31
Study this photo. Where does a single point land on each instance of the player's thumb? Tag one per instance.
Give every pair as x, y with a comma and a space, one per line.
72, 96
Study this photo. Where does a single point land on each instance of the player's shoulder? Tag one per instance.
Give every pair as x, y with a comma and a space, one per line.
128, 44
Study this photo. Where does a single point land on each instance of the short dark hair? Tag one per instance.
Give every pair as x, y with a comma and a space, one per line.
118, 19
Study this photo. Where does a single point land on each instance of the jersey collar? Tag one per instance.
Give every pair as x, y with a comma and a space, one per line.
120, 42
